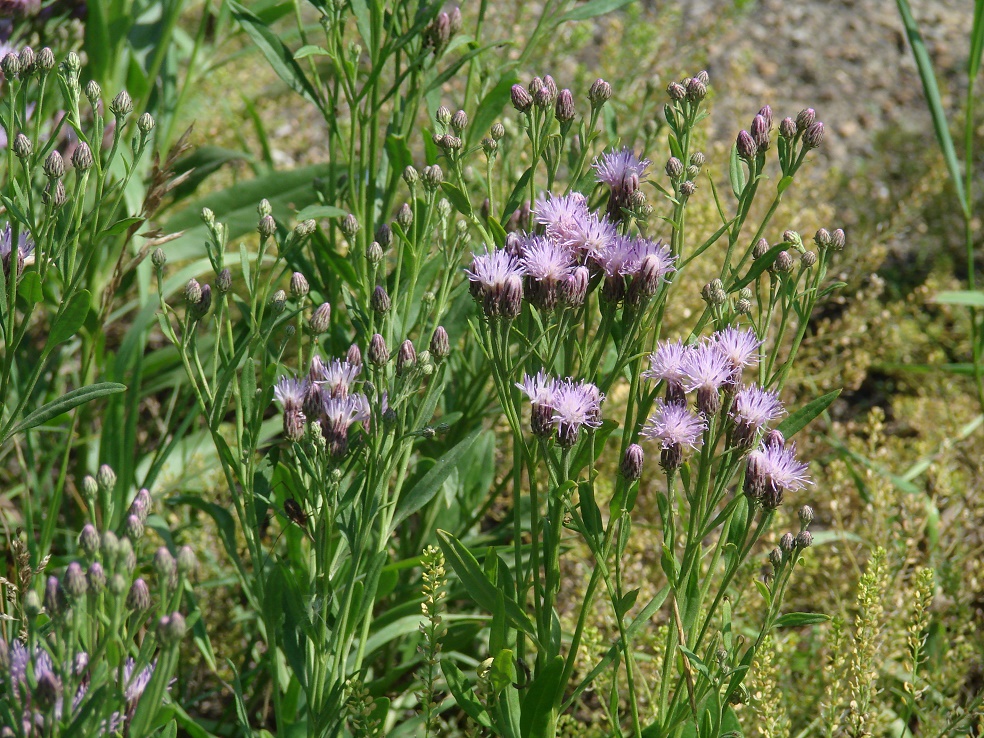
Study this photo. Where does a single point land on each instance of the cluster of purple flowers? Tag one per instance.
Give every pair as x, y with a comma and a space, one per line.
706, 368
36, 688
557, 264
561, 406
323, 396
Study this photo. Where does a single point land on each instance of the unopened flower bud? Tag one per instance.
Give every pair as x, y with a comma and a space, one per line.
45, 60
374, 253
696, 90
122, 105
133, 527
766, 112
406, 358
786, 542
89, 540
454, 20
443, 115
165, 566
761, 249
746, 145
760, 133
117, 585
305, 228
813, 136
223, 281
10, 65
146, 123
193, 292
564, 109
521, 99
787, 128
138, 599
444, 208
54, 166
497, 131
23, 146
697, 159
299, 286
379, 301
404, 216
808, 259
804, 539
687, 188
692, 172
440, 344
599, 93
838, 240
32, 604
74, 582
187, 561
432, 177
54, 597
158, 258
775, 558
459, 121
56, 196
674, 168
106, 478
354, 356
110, 545
320, 319
96, 578
743, 306
411, 176
378, 352
278, 301
676, 91
806, 516
574, 288
490, 146
266, 226
822, 238
631, 467
171, 629
792, 237
93, 92
774, 439
82, 157
805, 119
384, 236
783, 262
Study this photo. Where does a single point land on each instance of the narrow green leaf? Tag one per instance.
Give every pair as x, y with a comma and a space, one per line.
592, 9
457, 198
784, 184
798, 619
424, 490
736, 172
935, 103
480, 589
65, 403
758, 267
976, 41
277, 54
463, 693
69, 320
310, 50
29, 288
764, 591
542, 699
521, 188
802, 417
970, 298
121, 225
320, 211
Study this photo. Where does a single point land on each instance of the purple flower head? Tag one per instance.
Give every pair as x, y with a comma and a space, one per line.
706, 370
559, 214
338, 377
546, 264
290, 392
576, 404
739, 347
542, 391
135, 684
771, 471
496, 282
667, 364
590, 235
617, 257
675, 428
649, 264
621, 170
25, 247
338, 415
752, 408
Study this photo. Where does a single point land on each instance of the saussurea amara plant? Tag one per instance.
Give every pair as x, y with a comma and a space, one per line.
93, 651
356, 416
572, 308
66, 244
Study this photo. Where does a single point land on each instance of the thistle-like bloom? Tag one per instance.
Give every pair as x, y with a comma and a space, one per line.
667, 364
706, 370
135, 684
739, 347
621, 171
496, 282
773, 470
675, 428
337, 417
291, 394
542, 391
617, 258
576, 404
338, 377
559, 215
25, 247
649, 264
753, 407
589, 236
546, 264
